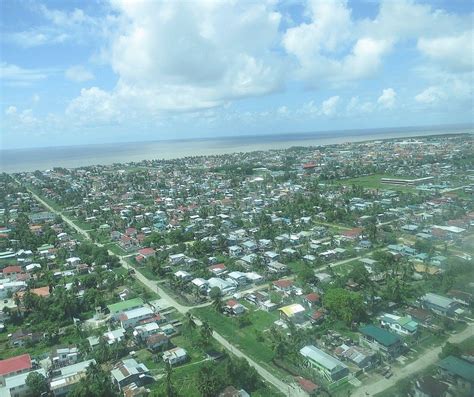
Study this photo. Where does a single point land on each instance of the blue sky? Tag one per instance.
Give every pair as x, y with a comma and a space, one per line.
77, 72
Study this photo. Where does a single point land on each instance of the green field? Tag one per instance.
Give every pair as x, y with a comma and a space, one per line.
245, 338
374, 182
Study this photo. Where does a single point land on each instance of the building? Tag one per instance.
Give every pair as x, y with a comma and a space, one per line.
294, 313
381, 340
328, 366
407, 182
15, 386
175, 356
441, 304
65, 379
458, 372
130, 371
116, 309
131, 318
362, 357
404, 326
427, 386
62, 356
156, 341
14, 366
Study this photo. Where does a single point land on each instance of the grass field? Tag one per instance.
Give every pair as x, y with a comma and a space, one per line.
245, 338
374, 182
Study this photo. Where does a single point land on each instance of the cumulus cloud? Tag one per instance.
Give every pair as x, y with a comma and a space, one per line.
387, 99
11, 110
329, 106
78, 74
452, 52
430, 95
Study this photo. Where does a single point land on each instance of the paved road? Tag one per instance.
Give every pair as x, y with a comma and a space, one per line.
424, 361
290, 389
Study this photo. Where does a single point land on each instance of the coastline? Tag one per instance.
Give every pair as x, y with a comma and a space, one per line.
27, 160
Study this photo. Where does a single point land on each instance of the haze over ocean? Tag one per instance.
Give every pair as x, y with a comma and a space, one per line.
30, 159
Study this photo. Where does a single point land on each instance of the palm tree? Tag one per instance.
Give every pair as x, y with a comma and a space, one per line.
189, 323
170, 391
206, 332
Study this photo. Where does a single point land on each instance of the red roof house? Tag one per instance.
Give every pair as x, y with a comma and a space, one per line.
14, 366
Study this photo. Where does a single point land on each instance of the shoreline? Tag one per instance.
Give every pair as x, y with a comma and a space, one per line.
28, 160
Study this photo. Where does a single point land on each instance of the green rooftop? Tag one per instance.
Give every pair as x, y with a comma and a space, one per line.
125, 305
383, 337
459, 367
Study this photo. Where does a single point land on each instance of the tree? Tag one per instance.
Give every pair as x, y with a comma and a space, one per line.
189, 323
450, 349
344, 305
96, 383
170, 390
215, 294
206, 332
36, 383
208, 380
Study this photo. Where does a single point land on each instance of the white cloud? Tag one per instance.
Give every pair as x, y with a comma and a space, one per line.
329, 106
387, 99
183, 56
16, 75
356, 107
430, 95
35, 98
79, 74
11, 110
452, 52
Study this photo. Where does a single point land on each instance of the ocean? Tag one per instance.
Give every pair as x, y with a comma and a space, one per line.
23, 160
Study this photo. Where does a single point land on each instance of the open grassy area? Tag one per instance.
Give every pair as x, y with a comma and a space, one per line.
374, 182
244, 338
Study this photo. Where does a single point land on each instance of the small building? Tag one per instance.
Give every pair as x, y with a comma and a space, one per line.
175, 356
458, 372
234, 307
14, 366
328, 366
131, 318
404, 326
16, 386
116, 309
130, 371
427, 386
62, 356
381, 340
294, 313
441, 304
156, 341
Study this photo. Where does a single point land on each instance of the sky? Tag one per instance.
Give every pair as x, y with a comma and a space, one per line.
79, 72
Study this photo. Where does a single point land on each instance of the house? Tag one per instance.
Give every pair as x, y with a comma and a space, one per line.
130, 371
131, 318
175, 356
114, 336
328, 366
217, 269
226, 287
144, 254
64, 379
307, 386
21, 336
441, 304
14, 366
183, 275
141, 332
427, 386
11, 272
177, 259
116, 309
294, 313
132, 390
234, 307
284, 286
458, 372
62, 356
381, 340
277, 268
363, 358
231, 391
156, 341
15, 386
312, 299
239, 277
404, 326
353, 234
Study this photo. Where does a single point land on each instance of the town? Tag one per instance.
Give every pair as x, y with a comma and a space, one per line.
338, 270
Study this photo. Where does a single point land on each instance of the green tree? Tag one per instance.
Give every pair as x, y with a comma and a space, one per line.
96, 383
36, 383
450, 349
215, 294
344, 305
208, 380
206, 333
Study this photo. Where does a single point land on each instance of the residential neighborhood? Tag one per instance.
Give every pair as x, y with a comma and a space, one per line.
328, 270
